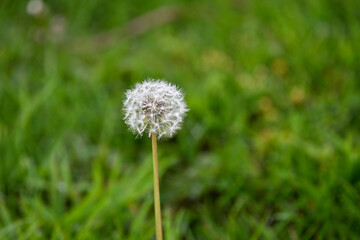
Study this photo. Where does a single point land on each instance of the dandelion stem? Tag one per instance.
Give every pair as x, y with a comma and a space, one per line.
156, 189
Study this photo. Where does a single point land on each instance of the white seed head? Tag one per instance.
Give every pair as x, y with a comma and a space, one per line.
155, 106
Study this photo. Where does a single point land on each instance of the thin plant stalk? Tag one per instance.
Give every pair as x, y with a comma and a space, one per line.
156, 189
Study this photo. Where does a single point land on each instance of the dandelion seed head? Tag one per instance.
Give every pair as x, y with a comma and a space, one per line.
154, 106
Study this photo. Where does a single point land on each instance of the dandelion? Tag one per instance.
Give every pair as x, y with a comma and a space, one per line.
158, 108
35, 7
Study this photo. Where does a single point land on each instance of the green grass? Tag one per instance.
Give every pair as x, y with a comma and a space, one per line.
269, 150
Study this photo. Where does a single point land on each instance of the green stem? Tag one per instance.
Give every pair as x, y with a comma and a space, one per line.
156, 189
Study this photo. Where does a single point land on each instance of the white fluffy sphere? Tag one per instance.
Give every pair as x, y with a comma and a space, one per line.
155, 106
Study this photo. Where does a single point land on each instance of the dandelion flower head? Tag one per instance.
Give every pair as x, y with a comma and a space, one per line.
155, 106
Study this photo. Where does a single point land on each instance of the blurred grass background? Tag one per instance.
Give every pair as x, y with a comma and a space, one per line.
269, 150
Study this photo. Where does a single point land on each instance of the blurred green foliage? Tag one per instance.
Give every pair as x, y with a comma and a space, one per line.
269, 150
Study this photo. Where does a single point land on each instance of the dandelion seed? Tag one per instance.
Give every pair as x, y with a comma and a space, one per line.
155, 106
35, 7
